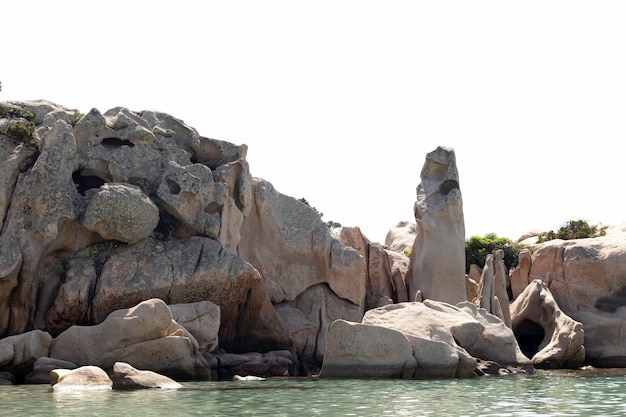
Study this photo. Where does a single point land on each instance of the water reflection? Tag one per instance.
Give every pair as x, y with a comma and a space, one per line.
556, 393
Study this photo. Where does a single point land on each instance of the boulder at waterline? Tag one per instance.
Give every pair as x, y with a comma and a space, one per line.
144, 336
552, 339
84, 378
125, 377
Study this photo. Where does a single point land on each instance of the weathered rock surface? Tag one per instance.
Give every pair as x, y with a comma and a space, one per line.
202, 320
356, 350
106, 210
262, 365
301, 261
121, 212
444, 341
43, 367
587, 278
385, 270
125, 377
401, 236
19, 353
84, 378
144, 336
438, 255
497, 342
551, 338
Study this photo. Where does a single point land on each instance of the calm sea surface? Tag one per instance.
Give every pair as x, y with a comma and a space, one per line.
558, 393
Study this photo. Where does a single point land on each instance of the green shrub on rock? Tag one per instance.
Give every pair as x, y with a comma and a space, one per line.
477, 248
573, 229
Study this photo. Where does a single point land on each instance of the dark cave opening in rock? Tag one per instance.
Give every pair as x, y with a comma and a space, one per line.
529, 335
86, 182
112, 143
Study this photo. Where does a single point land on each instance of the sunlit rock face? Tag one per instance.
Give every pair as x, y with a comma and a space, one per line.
438, 257
548, 336
587, 278
102, 211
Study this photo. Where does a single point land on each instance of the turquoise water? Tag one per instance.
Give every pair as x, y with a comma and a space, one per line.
563, 393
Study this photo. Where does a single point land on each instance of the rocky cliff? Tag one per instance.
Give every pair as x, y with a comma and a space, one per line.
102, 211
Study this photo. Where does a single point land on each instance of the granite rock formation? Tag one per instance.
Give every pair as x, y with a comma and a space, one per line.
102, 211
587, 278
438, 256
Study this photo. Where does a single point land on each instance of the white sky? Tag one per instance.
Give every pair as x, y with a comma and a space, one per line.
340, 101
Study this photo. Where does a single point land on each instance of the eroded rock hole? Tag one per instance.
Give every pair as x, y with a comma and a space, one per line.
86, 182
173, 186
447, 186
167, 226
529, 336
111, 143
213, 208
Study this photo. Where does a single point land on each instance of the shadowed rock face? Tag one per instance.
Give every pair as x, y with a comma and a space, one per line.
438, 256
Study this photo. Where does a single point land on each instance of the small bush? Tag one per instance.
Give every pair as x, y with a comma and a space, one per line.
573, 229
477, 248
21, 130
330, 223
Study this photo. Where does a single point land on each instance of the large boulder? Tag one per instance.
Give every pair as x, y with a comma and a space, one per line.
299, 258
587, 278
180, 271
550, 337
144, 336
401, 236
385, 270
19, 353
437, 267
202, 320
125, 377
121, 212
356, 350
444, 341
84, 378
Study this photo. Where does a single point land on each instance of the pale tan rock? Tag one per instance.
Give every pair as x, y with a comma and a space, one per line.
85, 378
283, 238
385, 270
497, 342
562, 343
438, 254
472, 283
357, 350
297, 255
587, 278
126, 377
202, 320
439, 334
308, 318
485, 289
520, 275
500, 285
401, 236
142, 336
